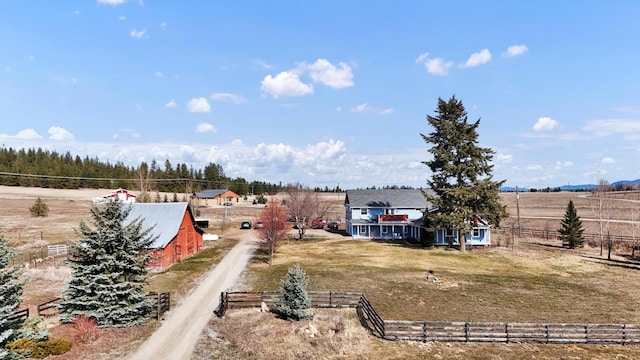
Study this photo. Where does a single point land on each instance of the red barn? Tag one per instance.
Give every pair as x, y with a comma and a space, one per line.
174, 228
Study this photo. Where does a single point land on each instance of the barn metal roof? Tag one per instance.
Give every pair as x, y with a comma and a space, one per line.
387, 198
165, 218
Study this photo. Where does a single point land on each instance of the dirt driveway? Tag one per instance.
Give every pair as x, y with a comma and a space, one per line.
177, 336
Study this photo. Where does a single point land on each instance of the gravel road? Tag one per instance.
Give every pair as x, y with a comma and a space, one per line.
177, 336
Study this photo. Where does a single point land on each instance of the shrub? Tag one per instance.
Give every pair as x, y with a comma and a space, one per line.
39, 208
85, 329
39, 349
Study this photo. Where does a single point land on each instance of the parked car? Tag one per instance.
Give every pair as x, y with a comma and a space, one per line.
317, 224
333, 225
258, 225
245, 225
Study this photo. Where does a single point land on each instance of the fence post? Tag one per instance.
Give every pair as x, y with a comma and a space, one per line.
466, 332
159, 306
546, 331
586, 332
424, 332
624, 333
330, 298
506, 331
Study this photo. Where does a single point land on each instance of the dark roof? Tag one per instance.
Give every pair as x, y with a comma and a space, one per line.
165, 218
387, 198
210, 194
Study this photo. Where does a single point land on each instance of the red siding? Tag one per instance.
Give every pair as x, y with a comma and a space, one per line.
187, 242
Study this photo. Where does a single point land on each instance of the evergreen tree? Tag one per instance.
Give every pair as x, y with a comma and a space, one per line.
461, 172
571, 230
109, 271
10, 298
295, 301
39, 208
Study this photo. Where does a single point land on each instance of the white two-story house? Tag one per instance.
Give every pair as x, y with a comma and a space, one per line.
384, 214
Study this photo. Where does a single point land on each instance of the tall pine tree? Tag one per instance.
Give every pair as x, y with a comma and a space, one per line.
109, 270
461, 172
295, 301
10, 297
571, 230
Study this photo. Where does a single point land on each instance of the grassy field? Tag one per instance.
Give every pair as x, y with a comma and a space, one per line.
531, 283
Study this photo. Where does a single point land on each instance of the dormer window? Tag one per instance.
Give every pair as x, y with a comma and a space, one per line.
363, 211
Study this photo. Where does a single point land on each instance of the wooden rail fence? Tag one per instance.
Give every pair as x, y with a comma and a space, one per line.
161, 304
20, 315
445, 331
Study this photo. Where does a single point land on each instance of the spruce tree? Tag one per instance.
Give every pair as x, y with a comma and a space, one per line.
571, 230
10, 297
461, 172
39, 208
109, 270
295, 301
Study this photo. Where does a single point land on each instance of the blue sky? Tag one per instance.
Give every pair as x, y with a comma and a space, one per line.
326, 93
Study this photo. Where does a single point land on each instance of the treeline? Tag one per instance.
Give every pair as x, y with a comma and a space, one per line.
49, 169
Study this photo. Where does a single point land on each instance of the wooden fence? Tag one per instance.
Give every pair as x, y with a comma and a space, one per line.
447, 331
319, 299
20, 314
161, 304
49, 308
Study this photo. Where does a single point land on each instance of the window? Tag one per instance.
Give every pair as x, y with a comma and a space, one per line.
389, 211
363, 230
476, 232
448, 232
363, 211
384, 229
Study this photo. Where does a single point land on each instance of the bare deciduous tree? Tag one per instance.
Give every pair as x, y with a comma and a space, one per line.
273, 218
601, 207
303, 206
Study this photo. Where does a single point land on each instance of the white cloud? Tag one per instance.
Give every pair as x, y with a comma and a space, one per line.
205, 127
563, 164
58, 133
28, 134
364, 107
159, 74
112, 2
65, 80
534, 167
438, 66
545, 124
422, 57
172, 104
199, 105
324, 72
606, 127
286, 83
31, 57
479, 58
138, 34
227, 97
515, 50
138, 107
260, 64
607, 160
122, 18
504, 158
163, 25
77, 12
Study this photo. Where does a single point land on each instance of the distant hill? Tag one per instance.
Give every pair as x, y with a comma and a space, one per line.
622, 184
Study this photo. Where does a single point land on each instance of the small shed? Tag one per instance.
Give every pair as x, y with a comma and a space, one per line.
177, 236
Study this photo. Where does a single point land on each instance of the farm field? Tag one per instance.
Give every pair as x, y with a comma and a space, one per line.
531, 280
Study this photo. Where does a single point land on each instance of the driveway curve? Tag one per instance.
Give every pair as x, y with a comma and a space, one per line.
176, 338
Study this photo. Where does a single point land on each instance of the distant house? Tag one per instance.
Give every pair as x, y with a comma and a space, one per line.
119, 194
384, 214
174, 228
398, 214
215, 197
